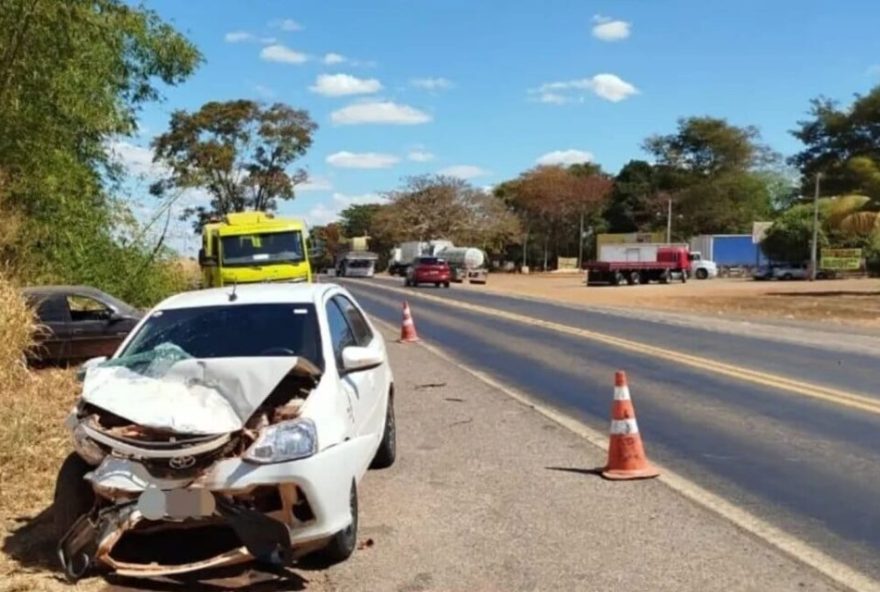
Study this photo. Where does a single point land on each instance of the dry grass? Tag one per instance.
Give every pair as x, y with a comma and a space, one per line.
32, 445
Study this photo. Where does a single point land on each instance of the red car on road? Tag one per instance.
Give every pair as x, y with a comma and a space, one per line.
429, 270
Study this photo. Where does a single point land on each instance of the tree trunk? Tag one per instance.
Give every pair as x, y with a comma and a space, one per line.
546, 248
581, 244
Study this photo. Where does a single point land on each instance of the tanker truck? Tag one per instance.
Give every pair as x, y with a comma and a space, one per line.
466, 263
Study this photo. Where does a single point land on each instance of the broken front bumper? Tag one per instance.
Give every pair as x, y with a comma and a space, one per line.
312, 505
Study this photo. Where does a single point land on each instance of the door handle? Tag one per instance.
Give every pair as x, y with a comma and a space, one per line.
77, 332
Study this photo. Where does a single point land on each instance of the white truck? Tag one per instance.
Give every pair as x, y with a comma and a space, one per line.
700, 268
356, 264
467, 263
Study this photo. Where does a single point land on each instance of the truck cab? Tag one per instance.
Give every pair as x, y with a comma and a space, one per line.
253, 247
700, 268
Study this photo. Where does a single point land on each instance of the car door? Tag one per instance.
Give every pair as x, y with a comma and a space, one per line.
91, 334
341, 336
53, 336
370, 381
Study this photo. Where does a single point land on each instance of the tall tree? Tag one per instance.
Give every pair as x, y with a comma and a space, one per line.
843, 144
357, 219
238, 151
436, 206
714, 172
636, 202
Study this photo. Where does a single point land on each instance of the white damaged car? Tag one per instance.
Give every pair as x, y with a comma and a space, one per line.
231, 425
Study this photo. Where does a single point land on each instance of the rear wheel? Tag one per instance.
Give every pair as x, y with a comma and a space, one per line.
617, 279
436, 284
684, 276
634, 278
664, 276
343, 543
445, 284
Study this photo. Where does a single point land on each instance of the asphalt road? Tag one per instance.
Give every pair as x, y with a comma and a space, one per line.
804, 463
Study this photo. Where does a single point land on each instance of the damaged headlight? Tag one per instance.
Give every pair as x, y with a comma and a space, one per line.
285, 441
87, 448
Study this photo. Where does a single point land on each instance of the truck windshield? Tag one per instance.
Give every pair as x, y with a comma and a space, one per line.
246, 330
253, 249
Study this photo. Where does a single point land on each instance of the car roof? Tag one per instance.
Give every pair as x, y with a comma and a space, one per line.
43, 291
279, 293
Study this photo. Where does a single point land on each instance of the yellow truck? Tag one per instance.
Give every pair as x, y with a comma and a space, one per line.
251, 247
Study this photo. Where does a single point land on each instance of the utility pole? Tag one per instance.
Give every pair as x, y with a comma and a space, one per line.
581, 243
669, 221
814, 250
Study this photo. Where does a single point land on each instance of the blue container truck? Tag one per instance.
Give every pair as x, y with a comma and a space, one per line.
729, 250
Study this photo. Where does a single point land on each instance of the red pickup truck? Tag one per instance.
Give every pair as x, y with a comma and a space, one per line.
670, 263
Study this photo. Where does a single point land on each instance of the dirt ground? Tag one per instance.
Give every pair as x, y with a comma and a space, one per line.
844, 302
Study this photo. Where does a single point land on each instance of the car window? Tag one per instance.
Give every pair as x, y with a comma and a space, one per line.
341, 335
50, 309
362, 333
83, 308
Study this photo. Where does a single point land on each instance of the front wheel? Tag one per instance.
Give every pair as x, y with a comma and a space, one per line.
343, 543
74, 496
386, 454
702, 274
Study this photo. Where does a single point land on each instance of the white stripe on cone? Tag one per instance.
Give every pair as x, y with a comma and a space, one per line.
621, 393
621, 427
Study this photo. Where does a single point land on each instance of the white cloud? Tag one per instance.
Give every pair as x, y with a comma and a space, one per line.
287, 25
137, 160
382, 112
324, 213
608, 29
432, 84
420, 156
340, 85
264, 91
607, 86
315, 184
237, 37
285, 55
464, 171
565, 157
362, 160
334, 58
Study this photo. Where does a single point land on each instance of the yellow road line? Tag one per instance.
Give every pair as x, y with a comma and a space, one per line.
805, 389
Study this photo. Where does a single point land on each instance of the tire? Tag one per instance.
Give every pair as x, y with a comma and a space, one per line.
617, 279
437, 285
787, 277
73, 494
684, 277
386, 454
702, 274
664, 276
634, 278
445, 284
343, 543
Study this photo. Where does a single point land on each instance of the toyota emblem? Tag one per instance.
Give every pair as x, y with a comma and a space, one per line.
182, 462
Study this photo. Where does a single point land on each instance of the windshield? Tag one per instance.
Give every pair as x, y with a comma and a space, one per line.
271, 247
247, 330
359, 263
431, 261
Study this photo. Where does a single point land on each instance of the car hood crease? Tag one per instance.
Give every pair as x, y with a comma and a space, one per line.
194, 396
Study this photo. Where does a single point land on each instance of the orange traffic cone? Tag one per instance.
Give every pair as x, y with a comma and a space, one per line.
626, 455
408, 327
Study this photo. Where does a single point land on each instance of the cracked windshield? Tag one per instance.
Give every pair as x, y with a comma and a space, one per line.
439, 295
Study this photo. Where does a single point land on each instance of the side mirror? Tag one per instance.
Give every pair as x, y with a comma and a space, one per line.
361, 358
88, 365
115, 317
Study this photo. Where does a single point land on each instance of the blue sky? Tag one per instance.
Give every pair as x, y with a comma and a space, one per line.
486, 89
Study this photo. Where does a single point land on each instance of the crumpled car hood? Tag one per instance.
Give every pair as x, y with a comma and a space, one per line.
193, 396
